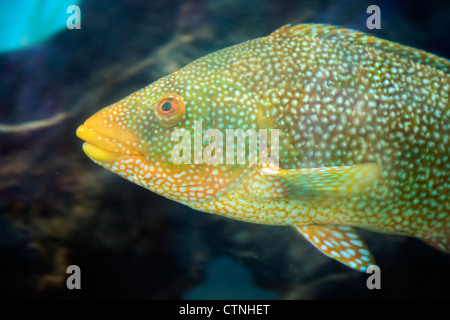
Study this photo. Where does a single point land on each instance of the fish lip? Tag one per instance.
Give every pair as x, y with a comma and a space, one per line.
103, 142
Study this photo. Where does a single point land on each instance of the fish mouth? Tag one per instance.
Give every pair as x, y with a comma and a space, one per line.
102, 148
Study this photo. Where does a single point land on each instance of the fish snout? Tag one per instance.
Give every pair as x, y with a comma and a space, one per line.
105, 137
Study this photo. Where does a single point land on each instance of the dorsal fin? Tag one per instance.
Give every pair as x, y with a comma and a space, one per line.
323, 31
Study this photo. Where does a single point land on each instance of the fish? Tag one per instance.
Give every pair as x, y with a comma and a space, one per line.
363, 137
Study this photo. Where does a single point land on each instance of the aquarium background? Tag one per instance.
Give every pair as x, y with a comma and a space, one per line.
57, 208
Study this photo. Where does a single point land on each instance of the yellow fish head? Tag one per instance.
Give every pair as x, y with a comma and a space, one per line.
154, 137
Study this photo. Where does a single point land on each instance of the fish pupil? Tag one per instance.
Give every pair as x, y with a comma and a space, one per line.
166, 107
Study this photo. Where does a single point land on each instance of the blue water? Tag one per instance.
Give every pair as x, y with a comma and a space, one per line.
227, 280
24, 23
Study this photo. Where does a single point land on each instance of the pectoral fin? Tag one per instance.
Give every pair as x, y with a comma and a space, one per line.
339, 242
311, 183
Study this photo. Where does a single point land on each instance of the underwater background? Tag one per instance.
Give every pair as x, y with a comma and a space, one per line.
57, 208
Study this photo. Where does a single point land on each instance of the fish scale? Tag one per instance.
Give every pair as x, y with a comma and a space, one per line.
363, 142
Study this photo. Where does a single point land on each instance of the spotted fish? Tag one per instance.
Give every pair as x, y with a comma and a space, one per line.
363, 126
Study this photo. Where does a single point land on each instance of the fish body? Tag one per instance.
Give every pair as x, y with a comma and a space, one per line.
363, 124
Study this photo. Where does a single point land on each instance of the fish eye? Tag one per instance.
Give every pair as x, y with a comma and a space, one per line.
166, 107
170, 109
